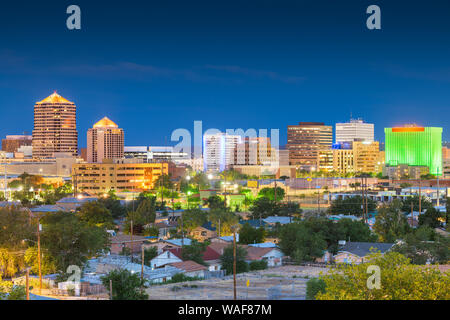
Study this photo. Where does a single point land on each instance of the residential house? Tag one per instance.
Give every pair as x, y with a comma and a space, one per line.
204, 232
356, 252
121, 241
225, 239
191, 268
273, 220
165, 228
210, 256
73, 203
273, 256
164, 258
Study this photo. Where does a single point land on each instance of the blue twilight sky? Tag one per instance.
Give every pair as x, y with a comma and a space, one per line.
154, 66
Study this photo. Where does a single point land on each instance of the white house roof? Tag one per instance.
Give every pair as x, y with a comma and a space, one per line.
177, 242
274, 219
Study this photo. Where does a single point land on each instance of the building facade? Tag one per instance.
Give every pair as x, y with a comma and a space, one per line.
414, 146
13, 142
307, 141
218, 151
354, 130
362, 157
118, 175
55, 127
105, 140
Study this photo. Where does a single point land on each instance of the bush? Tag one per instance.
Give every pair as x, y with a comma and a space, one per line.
258, 265
313, 287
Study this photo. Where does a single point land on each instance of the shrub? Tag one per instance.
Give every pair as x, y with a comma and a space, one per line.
258, 265
313, 287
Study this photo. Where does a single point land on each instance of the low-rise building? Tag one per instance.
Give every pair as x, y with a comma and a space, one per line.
118, 175
357, 252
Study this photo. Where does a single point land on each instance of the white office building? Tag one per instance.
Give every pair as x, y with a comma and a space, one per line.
218, 151
354, 130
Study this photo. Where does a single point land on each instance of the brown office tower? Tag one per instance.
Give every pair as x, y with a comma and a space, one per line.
309, 145
104, 141
55, 127
14, 142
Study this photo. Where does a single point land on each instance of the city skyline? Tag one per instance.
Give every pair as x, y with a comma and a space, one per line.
271, 68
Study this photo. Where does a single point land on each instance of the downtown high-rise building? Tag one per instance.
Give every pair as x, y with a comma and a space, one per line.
309, 145
355, 130
218, 151
414, 146
105, 140
55, 127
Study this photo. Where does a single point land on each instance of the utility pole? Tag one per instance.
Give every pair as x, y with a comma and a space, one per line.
438, 193
131, 239
27, 283
39, 254
420, 196
234, 264
219, 229
110, 290
142, 267
182, 230
275, 191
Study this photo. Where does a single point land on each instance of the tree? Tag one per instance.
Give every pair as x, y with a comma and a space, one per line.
215, 202
48, 263
257, 265
9, 291
299, 241
16, 225
431, 218
248, 234
112, 203
424, 245
193, 218
224, 220
269, 193
350, 230
308, 246
399, 280
125, 285
71, 241
149, 254
96, 214
227, 259
290, 209
351, 206
313, 287
425, 204
264, 207
391, 223
194, 252
144, 215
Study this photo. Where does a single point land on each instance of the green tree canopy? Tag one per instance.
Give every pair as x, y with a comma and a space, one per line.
351, 206
425, 204
223, 219
71, 241
96, 214
431, 218
193, 218
391, 223
399, 280
264, 207
194, 252
125, 285
248, 234
227, 259
269, 193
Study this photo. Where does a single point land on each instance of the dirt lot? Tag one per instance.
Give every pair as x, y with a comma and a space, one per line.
287, 282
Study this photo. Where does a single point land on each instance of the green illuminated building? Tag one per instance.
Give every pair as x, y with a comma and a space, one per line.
414, 146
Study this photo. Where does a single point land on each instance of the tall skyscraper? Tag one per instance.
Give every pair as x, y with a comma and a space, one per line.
55, 127
354, 130
309, 145
218, 151
414, 146
104, 141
